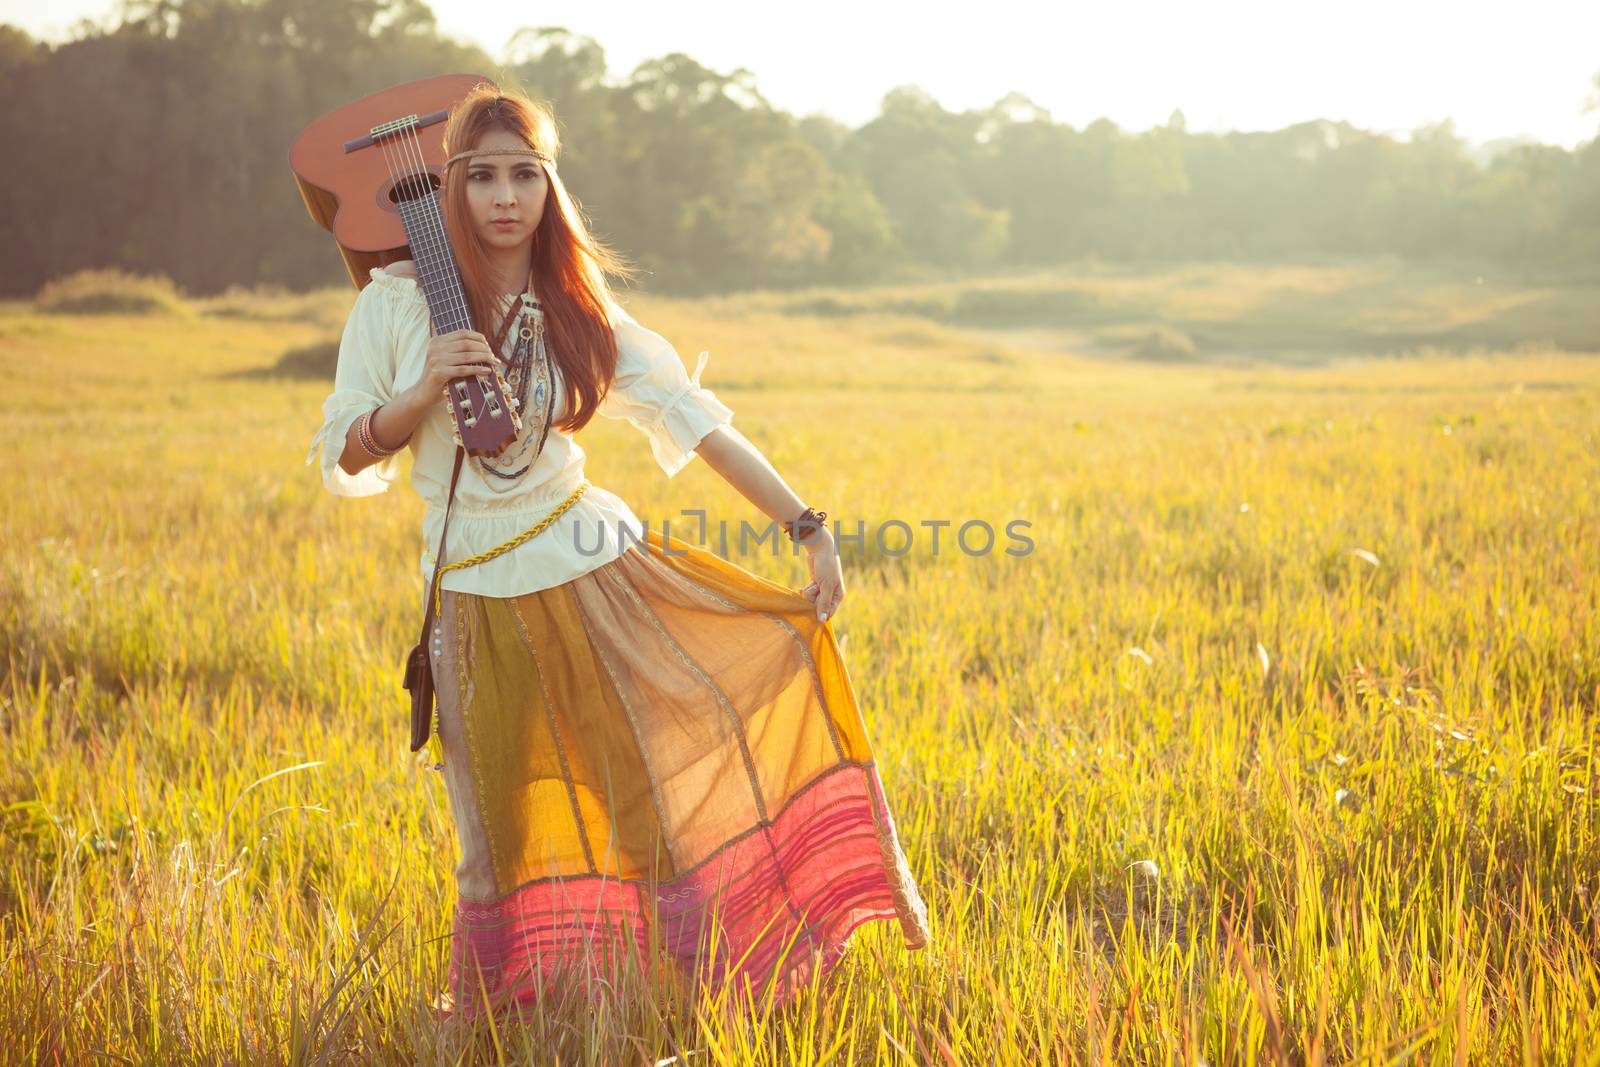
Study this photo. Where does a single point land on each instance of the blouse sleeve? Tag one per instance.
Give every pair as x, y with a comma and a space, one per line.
364, 379
654, 393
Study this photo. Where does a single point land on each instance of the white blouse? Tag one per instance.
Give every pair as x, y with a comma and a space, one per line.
382, 353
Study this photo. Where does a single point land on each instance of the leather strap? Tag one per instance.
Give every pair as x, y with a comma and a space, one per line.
438, 557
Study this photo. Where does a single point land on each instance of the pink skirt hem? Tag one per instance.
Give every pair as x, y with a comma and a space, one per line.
757, 918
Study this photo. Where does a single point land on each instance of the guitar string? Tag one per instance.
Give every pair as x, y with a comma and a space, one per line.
423, 249
393, 166
433, 223
434, 217
489, 466
403, 183
411, 140
426, 250
426, 254
431, 251
407, 166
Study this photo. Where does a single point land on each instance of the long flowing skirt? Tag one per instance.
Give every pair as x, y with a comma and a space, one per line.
664, 755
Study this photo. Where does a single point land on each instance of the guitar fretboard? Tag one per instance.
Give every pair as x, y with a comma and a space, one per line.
441, 282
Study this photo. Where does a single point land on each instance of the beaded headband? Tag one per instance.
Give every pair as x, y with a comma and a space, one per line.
472, 153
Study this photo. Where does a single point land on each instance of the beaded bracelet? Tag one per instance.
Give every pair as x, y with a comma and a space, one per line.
811, 519
370, 443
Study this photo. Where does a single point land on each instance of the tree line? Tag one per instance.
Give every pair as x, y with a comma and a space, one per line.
159, 144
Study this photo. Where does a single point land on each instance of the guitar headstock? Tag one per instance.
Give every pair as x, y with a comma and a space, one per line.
484, 411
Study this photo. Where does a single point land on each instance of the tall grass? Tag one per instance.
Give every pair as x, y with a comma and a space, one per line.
1278, 747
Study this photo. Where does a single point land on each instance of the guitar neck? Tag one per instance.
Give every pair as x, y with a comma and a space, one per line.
430, 248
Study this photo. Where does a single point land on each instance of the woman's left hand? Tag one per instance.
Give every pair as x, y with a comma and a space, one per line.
826, 590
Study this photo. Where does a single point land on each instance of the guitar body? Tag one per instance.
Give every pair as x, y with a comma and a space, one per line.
369, 173
349, 193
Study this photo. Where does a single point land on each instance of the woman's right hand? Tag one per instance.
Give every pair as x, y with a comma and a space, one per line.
457, 354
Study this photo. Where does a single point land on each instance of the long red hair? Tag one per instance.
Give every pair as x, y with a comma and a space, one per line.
569, 264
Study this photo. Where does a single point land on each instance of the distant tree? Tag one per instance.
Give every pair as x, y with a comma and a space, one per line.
863, 244
693, 174
19, 53
1043, 175
567, 71
921, 163
1518, 210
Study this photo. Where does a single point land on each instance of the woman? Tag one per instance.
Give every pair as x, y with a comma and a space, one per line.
644, 746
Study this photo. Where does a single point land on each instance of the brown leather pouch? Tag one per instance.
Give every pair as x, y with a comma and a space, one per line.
419, 668
419, 680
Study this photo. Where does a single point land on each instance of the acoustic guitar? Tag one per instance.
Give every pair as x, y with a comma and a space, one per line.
370, 173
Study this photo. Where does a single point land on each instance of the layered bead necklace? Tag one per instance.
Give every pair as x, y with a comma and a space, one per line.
527, 372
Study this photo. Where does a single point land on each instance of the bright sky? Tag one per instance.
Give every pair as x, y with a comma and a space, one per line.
1500, 70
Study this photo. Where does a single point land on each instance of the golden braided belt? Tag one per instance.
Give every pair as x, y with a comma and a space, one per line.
522, 538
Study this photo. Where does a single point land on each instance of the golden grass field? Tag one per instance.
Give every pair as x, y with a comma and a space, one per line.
1280, 747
